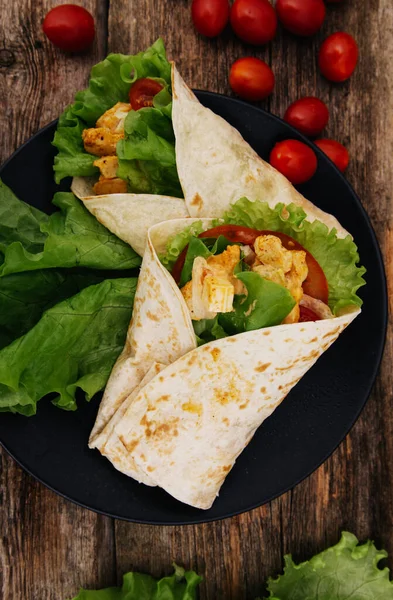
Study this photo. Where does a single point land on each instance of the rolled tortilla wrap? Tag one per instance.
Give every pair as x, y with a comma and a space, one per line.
156, 333
185, 428
216, 166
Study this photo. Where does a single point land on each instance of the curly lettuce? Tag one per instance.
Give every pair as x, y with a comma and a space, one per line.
147, 154
338, 257
71, 237
74, 345
346, 570
182, 585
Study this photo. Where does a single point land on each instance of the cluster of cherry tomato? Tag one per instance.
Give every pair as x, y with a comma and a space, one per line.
255, 22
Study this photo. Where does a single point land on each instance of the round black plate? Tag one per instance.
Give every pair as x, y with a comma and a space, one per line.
294, 441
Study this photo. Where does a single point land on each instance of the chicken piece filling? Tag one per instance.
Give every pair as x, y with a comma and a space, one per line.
101, 141
214, 285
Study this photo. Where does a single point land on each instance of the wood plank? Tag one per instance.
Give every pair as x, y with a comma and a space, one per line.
48, 546
353, 489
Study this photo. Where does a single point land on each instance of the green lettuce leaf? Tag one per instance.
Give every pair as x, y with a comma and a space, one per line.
73, 345
31, 240
345, 571
337, 257
208, 330
265, 305
178, 242
182, 585
147, 154
25, 296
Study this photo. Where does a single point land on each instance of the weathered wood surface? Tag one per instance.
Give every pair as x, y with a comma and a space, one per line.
48, 547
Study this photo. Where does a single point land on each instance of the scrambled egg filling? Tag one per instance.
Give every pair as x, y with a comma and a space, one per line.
214, 284
101, 141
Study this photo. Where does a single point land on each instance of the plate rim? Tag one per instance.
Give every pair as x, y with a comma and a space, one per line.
205, 519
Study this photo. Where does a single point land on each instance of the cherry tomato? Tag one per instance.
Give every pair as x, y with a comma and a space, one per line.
254, 21
251, 78
309, 115
315, 284
336, 152
295, 160
143, 91
301, 17
338, 56
210, 16
306, 314
69, 27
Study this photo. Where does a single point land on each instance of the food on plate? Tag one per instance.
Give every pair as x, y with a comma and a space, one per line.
346, 570
207, 143
219, 336
69, 27
118, 144
338, 56
62, 322
251, 78
103, 115
295, 160
309, 115
301, 17
71, 237
254, 21
210, 16
335, 151
73, 345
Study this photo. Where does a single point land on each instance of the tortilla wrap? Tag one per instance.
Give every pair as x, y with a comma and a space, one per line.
156, 333
216, 166
184, 429
128, 216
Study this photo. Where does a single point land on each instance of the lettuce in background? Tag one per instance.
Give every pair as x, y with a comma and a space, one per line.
25, 296
346, 571
74, 345
70, 237
182, 585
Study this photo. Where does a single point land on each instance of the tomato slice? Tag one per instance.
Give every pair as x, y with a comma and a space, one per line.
143, 91
315, 284
307, 315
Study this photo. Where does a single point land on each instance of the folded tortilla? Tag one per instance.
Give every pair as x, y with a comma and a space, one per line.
216, 166
183, 427
128, 216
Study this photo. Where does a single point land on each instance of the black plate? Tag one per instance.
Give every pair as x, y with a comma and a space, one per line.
294, 441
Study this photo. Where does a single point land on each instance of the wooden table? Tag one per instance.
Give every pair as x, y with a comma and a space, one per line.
48, 546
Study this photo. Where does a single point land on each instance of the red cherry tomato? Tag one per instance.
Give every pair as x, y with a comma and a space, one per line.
251, 78
143, 91
254, 21
69, 27
210, 16
309, 115
295, 160
336, 152
301, 17
315, 284
338, 56
307, 314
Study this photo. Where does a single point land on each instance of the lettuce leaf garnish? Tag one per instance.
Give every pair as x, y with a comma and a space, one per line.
31, 240
74, 345
346, 570
182, 585
147, 154
25, 296
338, 257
